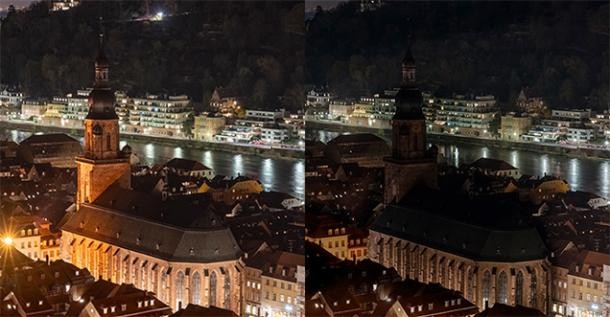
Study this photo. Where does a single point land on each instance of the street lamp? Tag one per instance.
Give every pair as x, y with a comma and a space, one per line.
7, 240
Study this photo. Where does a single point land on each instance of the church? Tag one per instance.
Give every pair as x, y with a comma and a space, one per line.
439, 237
175, 247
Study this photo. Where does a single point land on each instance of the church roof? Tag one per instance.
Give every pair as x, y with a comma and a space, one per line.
478, 229
181, 228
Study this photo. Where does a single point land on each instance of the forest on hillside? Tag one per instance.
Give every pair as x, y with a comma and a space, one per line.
557, 49
253, 48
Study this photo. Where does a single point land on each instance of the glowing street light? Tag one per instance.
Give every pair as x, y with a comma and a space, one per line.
7, 240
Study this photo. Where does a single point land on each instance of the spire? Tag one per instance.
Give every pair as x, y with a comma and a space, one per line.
408, 68
101, 62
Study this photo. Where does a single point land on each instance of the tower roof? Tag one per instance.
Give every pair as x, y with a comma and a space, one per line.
408, 58
409, 99
101, 98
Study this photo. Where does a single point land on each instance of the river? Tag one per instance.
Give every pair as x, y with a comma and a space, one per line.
590, 175
275, 174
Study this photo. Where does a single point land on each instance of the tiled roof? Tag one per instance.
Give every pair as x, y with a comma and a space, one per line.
181, 228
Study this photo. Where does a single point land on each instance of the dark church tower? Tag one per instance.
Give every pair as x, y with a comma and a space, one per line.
103, 163
411, 163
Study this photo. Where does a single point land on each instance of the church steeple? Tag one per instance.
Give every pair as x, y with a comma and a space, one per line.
408, 123
410, 163
408, 69
101, 123
102, 163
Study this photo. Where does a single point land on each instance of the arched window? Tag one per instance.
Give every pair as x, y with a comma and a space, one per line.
213, 289
163, 286
227, 291
432, 271
399, 258
533, 290
470, 286
519, 288
180, 290
486, 286
502, 294
196, 289
441, 274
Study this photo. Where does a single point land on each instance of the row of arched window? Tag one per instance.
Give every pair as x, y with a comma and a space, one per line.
411, 262
195, 294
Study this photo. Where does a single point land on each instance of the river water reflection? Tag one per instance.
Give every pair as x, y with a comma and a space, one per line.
590, 175
275, 174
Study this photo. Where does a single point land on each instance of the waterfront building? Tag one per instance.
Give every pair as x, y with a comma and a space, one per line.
58, 149
340, 108
513, 126
225, 101
274, 134
236, 134
265, 115
207, 125
465, 116
274, 284
77, 106
531, 104
318, 98
173, 246
55, 109
160, 115
10, 98
581, 134
572, 114
33, 110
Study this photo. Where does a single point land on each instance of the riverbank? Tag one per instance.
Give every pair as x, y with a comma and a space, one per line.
286, 154
452, 139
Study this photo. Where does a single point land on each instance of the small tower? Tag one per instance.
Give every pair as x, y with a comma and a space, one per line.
410, 162
102, 163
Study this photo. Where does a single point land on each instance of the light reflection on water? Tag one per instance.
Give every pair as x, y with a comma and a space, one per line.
275, 174
591, 175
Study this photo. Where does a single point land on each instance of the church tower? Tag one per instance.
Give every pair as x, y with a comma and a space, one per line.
410, 163
102, 163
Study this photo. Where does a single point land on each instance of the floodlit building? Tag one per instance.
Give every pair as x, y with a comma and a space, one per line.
160, 115
512, 127
175, 247
33, 109
316, 98
225, 101
465, 116
11, 99
207, 125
